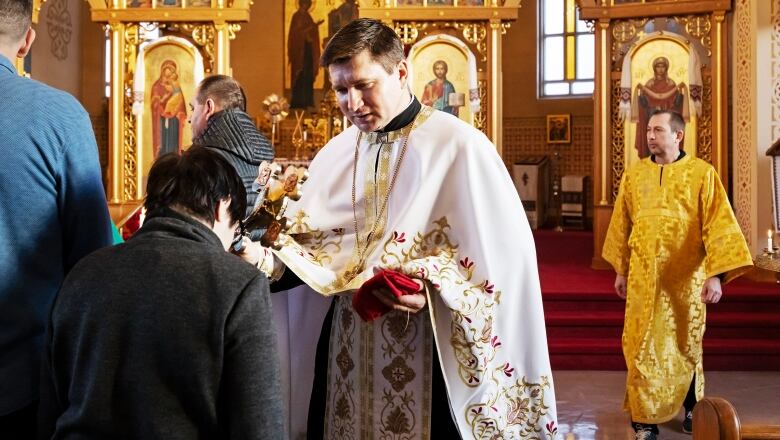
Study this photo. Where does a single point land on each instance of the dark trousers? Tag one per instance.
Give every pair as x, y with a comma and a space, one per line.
688, 404
20, 424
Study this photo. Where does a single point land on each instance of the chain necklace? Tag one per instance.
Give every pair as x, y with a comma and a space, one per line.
362, 250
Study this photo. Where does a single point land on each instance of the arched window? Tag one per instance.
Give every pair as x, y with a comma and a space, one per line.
566, 48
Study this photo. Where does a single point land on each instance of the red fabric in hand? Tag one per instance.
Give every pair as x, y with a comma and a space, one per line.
368, 306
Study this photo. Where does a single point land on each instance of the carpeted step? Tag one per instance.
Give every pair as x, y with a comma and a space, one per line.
586, 353
596, 301
609, 324
729, 354
740, 299
584, 316
719, 354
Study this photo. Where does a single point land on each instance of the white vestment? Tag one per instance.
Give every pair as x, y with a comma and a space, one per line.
453, 218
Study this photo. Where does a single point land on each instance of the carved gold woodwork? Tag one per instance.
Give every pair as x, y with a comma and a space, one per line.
625, 33
618, 139
130, 142
209, 26
480, 118
480, 28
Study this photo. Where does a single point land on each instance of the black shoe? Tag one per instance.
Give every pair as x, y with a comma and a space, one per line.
688, 422
645, 434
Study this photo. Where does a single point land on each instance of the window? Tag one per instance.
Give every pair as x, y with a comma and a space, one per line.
566, 51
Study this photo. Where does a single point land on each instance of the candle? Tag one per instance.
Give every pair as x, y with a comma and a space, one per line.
769, 240
305, 135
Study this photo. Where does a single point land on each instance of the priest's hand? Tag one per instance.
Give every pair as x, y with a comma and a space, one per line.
412, 303
255, 254
620, 286
711, 292
249, 251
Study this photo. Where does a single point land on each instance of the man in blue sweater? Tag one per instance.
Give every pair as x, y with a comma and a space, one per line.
52, 212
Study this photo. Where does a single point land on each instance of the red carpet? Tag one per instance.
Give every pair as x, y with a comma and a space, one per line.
585, 317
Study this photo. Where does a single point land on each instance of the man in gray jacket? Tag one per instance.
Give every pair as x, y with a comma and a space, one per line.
219, 122
168, 335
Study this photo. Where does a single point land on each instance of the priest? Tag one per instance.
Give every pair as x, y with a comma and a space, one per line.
673, 240
409, 220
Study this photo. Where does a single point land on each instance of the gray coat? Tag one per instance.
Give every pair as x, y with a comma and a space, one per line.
166, 336
233, 134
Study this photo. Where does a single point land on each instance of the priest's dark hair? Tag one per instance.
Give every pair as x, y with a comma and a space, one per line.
224, 90
364, 34
676, 121
15, 19
195, 182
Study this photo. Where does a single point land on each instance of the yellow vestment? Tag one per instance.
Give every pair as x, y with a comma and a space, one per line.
671, 229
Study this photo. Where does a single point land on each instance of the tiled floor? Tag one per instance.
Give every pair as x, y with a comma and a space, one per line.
590, 402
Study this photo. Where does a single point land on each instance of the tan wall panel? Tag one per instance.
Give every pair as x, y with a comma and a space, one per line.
56, 53
257, 53
520, 69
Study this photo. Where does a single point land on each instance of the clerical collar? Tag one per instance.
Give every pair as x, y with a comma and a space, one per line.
404, 118
682, 154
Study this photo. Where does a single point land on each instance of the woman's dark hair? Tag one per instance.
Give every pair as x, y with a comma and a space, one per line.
195, 181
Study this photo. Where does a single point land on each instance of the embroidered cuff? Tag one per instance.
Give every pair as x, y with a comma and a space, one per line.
271, 266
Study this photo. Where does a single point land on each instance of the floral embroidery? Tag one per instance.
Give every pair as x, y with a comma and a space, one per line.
342, 407
398, 373
472, 322
316, 246
399, 412
513, 406
513, 412
397, 421
398, 418
344, 362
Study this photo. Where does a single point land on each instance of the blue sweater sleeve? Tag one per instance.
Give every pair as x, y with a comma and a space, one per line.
86, 225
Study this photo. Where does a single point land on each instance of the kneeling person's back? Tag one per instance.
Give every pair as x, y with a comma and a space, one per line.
167, 336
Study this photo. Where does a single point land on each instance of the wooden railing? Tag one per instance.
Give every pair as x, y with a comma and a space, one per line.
714, 418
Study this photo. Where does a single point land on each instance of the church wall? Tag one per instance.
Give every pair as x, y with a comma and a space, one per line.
56, 52
68, 54
755, 113
257, 54
525, 114
257, 60
768, 124
93, 83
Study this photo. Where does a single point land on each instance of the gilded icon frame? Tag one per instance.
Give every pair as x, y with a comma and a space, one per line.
558, 129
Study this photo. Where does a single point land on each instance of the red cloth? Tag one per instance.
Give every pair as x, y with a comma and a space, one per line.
368, 306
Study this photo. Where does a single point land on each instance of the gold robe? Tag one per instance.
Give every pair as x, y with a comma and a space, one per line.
671, 229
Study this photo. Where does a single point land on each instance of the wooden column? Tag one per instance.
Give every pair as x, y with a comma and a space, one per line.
602, 139
496, 86
719, 99
116, 113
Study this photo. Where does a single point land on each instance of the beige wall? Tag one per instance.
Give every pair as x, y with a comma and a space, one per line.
56, 53
257, 53
525, 114
520, 73
768, 112
755, 113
